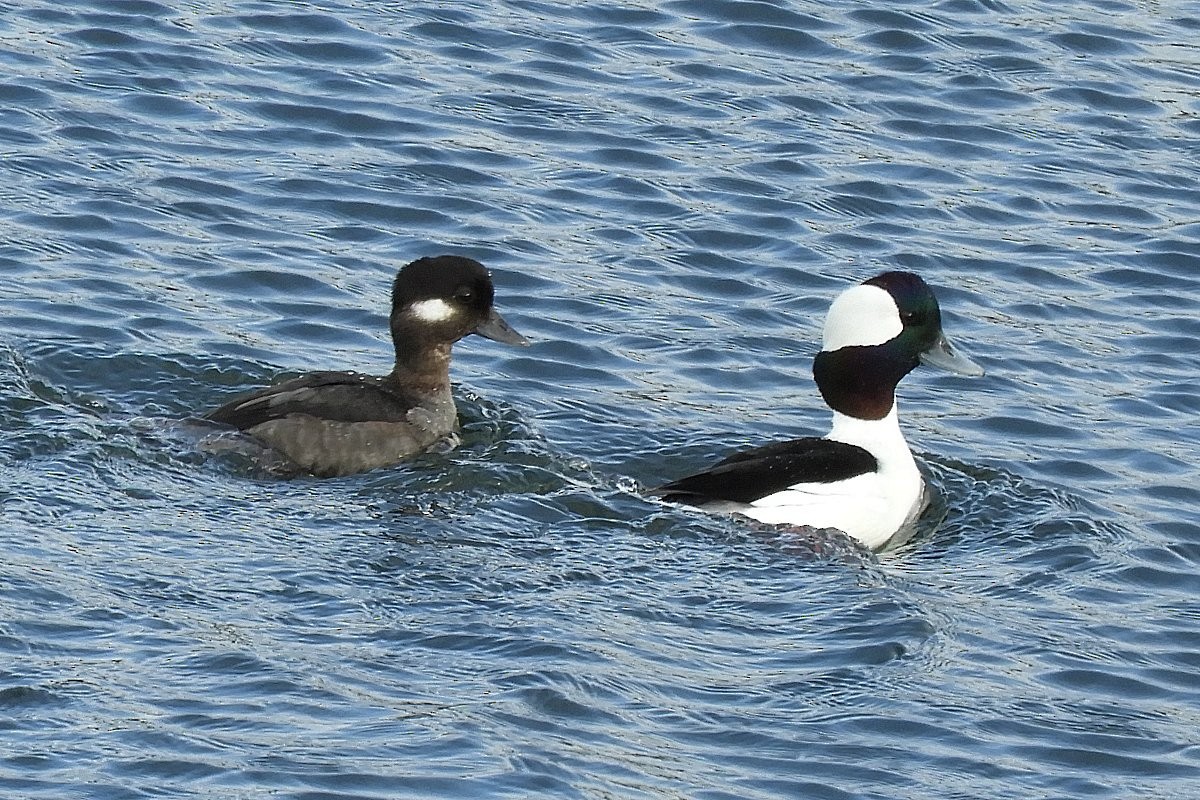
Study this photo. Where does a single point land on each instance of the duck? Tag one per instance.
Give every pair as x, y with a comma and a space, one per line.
860, 478
335, 423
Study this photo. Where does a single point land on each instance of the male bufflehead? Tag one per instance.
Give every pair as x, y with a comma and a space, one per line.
339, 423
860, 477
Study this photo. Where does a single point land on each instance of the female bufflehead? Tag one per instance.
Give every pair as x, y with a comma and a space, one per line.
860, 477
339, 423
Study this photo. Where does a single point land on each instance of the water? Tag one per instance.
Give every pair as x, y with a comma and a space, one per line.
196, 199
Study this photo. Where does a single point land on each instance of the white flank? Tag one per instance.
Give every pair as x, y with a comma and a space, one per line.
861, 315
870, 507
435, 310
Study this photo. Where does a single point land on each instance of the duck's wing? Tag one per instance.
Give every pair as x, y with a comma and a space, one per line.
337, 396
750, 475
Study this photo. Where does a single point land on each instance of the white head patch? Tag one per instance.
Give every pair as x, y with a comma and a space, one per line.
435, 310
861, 315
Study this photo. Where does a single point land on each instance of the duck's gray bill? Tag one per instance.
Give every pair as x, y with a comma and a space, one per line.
497, 329
941, 355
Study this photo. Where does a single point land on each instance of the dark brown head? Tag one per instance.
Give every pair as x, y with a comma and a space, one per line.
438, 300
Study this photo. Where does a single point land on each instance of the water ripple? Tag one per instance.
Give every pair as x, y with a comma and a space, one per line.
198, 201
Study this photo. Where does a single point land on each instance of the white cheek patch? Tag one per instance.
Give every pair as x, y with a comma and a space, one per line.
436, 310
862, 315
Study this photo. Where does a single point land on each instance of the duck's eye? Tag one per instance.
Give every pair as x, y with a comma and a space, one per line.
464, 295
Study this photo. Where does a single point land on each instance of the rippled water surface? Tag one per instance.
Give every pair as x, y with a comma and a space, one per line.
196, 198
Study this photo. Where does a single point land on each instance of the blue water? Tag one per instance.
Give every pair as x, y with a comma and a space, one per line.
197, 198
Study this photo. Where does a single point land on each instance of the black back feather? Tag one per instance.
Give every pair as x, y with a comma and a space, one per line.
753, 474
